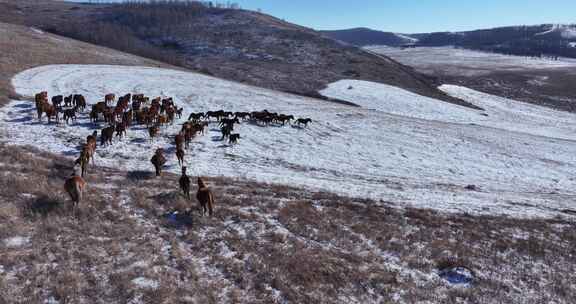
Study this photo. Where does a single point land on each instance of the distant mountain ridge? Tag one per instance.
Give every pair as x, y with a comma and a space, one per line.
534, 40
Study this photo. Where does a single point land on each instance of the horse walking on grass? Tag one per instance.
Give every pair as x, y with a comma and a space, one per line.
74, 186
185, 183
205, 198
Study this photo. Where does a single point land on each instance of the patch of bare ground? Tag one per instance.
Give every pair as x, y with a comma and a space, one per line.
267, 243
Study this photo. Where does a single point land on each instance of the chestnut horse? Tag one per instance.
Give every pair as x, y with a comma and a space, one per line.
205, 198
74, 186
158, 160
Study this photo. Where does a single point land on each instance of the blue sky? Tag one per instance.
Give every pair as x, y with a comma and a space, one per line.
411, 16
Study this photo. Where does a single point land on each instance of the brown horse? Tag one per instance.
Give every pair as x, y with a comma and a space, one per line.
51, 112
40, 108
91, 141
185, 183
120, 130
41, 97
107, 135
153, 131
84, 159
74, 186
109, 98
205, 198
180, 155
158, 160
180, 140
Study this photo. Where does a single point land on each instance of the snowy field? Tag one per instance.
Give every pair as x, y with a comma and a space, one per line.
397, 147
466, 62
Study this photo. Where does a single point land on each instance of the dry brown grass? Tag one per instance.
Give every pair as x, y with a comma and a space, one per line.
267, 243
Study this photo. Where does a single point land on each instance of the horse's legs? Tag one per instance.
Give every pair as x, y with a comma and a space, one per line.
210, 209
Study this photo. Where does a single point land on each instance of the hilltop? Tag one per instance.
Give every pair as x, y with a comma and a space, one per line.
234, 44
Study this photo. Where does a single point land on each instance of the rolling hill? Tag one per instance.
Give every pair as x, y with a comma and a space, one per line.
234, 44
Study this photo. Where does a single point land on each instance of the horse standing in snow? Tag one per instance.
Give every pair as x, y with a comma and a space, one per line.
234, 137
109, 98
205, 198
91, 142
180, 155
107, 135
158, 160
153, 131
303, 121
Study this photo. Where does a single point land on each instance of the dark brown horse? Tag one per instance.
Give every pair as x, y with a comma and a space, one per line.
120, 130
180, 155
69, 114
185, 183
107, 135
57, 100
180, 140
51, 112
85, 156
303, 121
153, 131
158, 160
233, 138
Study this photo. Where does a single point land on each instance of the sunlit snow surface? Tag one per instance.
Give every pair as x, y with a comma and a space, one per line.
463, 62
397, 147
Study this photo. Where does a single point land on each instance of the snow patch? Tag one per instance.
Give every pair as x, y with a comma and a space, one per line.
51, 300
145, 283
36, 30
566, 31
16, 241
398, 146
476, 63
407, 38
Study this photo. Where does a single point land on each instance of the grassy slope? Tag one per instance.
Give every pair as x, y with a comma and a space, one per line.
23, 48
267, 242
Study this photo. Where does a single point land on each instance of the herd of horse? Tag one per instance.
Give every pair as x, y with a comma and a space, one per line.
137, 109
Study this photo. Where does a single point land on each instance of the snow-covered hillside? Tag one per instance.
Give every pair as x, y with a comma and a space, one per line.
397, 147
566, 31
467, 62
